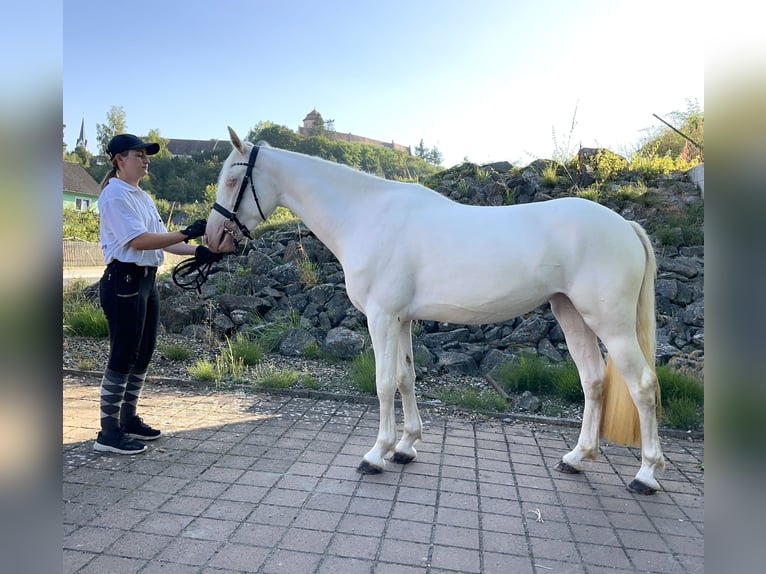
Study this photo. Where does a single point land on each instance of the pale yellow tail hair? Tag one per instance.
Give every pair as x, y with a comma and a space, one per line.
619, 416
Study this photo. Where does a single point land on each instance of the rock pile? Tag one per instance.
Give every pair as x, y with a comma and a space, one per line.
289, 273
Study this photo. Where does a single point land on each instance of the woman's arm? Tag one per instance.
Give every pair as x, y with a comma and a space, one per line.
156, 240
182, 248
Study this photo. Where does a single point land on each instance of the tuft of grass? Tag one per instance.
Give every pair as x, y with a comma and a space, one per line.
471, 399
228, 364
592, 192
282, 217
175, 351
246, 350
683, 398
362, 372
202, 370
270, 335
567, 381
309, 271
309, 381
85, 319
676, 385
528, 373
86, 363
82, 316
550, 176
681, 229
681, 413
273, 378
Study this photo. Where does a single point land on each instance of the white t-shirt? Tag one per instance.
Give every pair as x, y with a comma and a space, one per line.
125, 212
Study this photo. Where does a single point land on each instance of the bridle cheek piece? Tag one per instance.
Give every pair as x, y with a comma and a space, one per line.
248, 179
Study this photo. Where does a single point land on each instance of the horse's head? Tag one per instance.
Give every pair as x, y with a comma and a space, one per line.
238, 207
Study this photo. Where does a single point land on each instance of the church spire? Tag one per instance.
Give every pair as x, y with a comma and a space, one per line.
81, 141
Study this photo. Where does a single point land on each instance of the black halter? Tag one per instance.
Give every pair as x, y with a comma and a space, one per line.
232, 215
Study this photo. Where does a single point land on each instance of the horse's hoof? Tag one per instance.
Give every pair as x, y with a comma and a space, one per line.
400, 458
562, 466
367, 468
640, 488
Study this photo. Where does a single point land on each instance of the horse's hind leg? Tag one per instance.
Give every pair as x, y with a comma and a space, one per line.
642, 384
583, 347
405, 382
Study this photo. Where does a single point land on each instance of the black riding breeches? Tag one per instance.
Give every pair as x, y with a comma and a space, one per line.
131, 303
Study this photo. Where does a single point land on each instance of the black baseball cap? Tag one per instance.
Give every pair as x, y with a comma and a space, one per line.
124, 142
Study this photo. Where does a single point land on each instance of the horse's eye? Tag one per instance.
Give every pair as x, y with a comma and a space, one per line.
231, 182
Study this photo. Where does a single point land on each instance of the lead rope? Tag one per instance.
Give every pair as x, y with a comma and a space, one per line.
191, 274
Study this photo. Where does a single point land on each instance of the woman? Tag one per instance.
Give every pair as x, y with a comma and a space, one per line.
133, 238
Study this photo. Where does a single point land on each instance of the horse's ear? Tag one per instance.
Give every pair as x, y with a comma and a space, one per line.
235, 141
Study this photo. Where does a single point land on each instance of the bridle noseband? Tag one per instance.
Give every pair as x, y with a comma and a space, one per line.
232, 215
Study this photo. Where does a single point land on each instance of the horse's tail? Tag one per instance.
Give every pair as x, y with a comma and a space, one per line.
619, 416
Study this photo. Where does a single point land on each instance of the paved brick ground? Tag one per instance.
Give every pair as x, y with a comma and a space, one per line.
267, 484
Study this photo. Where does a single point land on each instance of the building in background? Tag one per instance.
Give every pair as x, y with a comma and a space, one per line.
81, 191
314, 117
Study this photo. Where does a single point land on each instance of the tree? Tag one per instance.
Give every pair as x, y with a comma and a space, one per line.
115, 124
155, 137
663, 141
276, 135
432, 156
421, 150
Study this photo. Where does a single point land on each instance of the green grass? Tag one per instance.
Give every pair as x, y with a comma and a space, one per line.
676, 385
471, 399
682, 394
273, 378
528, 373
681, 414
269, 335
281, 217
246, 350
175, 351
550, 176
683, 398
82, 316
203, 370
362, 372
680, 229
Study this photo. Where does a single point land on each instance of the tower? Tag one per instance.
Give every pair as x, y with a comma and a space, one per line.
81, 141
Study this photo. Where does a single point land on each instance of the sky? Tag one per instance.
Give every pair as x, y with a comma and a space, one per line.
487, 80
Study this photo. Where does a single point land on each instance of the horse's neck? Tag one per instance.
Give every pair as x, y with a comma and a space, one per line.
321, 195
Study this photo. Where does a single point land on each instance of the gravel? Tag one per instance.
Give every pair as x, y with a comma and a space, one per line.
89, 356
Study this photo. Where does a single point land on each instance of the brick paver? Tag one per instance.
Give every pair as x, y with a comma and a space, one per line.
267, 484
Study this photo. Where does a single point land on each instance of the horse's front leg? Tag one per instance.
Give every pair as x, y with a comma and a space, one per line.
405, 382
384, 332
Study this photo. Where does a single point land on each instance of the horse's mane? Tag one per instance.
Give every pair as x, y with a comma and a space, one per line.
336, 167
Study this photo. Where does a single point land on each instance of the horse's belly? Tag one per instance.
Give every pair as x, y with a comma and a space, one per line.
474, 307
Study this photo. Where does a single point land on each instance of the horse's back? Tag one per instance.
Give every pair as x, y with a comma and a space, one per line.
474, 264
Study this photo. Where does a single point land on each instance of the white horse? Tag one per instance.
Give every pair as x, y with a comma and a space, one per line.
409, 253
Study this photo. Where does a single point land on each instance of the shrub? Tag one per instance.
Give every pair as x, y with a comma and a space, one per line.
81, 225
608, 165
